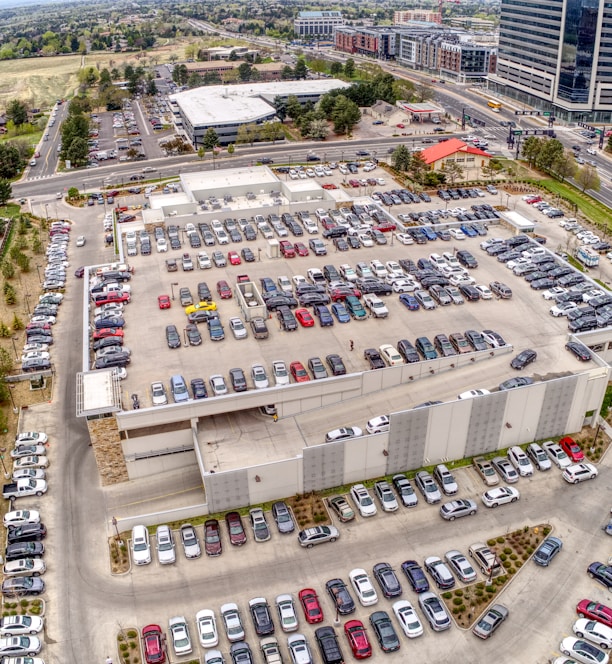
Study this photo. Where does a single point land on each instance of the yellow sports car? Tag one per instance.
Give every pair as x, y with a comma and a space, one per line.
201, 306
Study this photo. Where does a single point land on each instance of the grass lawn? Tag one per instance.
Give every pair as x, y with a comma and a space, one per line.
598, 213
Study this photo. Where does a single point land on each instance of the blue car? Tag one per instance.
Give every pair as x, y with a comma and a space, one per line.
416, 576
322, 313
409, 301
468, 230
340, 312
430, 234
215, 329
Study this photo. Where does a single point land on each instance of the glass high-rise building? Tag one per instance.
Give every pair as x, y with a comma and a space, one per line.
557, 55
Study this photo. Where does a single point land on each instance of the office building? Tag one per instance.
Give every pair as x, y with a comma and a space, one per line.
317, 24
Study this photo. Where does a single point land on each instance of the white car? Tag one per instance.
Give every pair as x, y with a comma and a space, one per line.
298, 279
342, 434
583, 651
31, 437
259, 376
80, 241
18, 625
500, 496
556, 454
141, 547
404, 238
485, 291
207, 628
579, 472
286, 613
385, 495
28, 474
348, 273
408, 619
366, 593
28, 450
562, 309
204, 261
218, 385
19, 645
461, 566
299, 649
162, 245
520, 461
237, 327
284, 284
471, 394
457, 234
404, 285
378, 424
179, 635
35, 355
31, 462
393, 267
365, 240
280, 373
594, 631
390, 355
232, 622
158, 394
24, 566
20, 517
166, 553
363, 500
30, 348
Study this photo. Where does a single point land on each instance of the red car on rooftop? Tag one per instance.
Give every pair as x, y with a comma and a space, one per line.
287, 249
212, 538
586, 608
304, 317
236, 529
301, 249
225, 292
107, 332
299, 373
164, 301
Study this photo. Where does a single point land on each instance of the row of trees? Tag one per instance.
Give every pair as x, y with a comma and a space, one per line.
75, 132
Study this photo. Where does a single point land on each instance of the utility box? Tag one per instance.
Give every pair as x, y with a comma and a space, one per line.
250, 301
273, 249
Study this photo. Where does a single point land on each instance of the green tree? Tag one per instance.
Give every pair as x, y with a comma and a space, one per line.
530, 149
73, 194
5, 191
301, 70
318, 129
294, 108
551, 150
77, 151
5, 330
17, 323
17, 113
453, 171
7, 362
11, 160
10, 294
588, 178
201, 152
346, 115
287, 73
401, 158
336, 68
8, 269
231, 149
349, 68
565, 165
280, 105
418, 167
423, 92
244, 72
211, 139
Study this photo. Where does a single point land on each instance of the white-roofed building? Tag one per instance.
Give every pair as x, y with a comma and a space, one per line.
225, 108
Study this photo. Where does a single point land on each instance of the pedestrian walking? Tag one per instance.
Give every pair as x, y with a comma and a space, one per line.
109, 660
351, 344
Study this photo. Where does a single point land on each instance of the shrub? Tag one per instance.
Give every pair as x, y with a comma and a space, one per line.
123, 647
503, 557
513, 556
447, 595
132, 634
500, 539
546, 531
459, 593
491, 590
17, 323
519, 563
507, 550
507, 564
479, 592
458, 601
491, 542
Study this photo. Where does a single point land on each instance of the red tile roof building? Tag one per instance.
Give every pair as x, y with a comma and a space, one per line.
470, 158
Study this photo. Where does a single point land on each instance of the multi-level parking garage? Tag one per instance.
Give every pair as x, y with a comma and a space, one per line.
245, 456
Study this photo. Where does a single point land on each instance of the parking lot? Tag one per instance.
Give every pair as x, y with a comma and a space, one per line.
541, 601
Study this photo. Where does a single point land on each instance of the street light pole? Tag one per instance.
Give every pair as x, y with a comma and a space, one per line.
6, 473
13, 339
117, 536
172, 285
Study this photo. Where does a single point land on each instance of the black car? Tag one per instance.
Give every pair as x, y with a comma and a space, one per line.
111, 321
335, 364
107, 342
276, 301
240, 652
466, 259
384, 630
173, 338
198, 387
311, 299
353, 242
579, 350
260, 613
247, 255
202, 316
193, 334
519, 381
374, 359
387, 580
469, 292
286, 319
112, 360
524, 358
28, 532
20, 550
341, 244
340, 596
476, 340
416, 576
204, 294
238, 380
407, 350
375, 286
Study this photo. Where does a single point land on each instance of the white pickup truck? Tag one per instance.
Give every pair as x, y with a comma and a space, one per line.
375, 305
25, 487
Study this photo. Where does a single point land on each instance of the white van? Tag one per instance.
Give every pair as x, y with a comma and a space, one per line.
141, 547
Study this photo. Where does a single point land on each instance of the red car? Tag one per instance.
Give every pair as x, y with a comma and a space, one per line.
385, 226
299, 373
287, 249
301, 249
164, 301
572, 449
399, 125
225, 292
342, 292
236, 529
586, 608
304, 317
329, 185
310, 603
153, 644
358, 639
354, 183
108, 298
107, 332
212, 538
38, 326
234, 258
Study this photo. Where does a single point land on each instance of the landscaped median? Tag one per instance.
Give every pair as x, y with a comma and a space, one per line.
512, 550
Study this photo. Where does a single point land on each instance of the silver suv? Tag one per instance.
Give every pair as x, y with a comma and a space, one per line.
428, 487
445, 479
